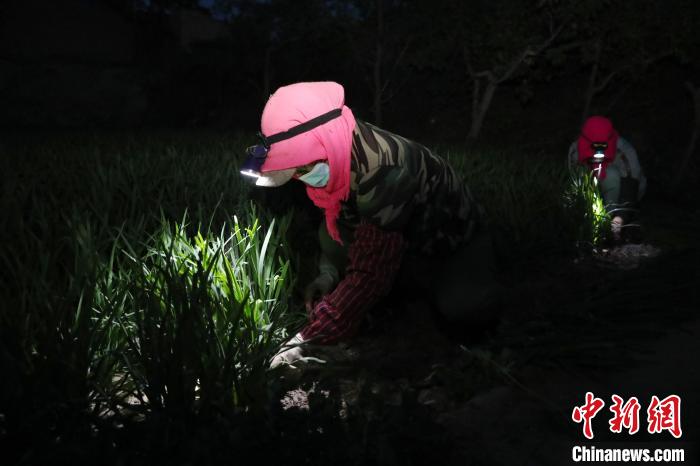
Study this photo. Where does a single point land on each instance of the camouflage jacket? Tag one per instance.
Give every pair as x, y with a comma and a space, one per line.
400, 185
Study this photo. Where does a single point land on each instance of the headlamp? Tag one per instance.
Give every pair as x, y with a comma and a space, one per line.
599, 151
256, 155
255, 159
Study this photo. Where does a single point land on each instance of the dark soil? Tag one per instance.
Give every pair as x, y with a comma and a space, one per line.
408, 390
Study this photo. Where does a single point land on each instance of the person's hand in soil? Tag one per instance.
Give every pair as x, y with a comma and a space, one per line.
289, 353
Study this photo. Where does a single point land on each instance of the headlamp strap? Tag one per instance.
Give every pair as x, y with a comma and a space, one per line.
301, 128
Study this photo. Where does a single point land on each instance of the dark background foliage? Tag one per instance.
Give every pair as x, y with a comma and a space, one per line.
520, 73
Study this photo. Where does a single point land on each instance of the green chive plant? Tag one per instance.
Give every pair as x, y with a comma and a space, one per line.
202, 314
521, 196
583, 201
110, 294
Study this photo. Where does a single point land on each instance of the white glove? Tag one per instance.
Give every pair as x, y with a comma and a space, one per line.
616, 227
289, 353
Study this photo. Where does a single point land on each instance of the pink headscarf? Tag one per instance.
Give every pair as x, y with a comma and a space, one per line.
597, 129
332, 141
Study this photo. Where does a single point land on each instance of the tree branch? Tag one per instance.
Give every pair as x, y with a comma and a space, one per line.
475, 75
396, 63
604, 83
529, 51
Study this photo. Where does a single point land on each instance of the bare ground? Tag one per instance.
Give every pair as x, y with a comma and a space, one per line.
410, 391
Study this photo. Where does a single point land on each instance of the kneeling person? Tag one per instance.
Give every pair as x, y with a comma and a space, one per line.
386, 200
614, 163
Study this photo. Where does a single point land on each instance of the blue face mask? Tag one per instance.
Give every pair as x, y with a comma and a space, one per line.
318, 176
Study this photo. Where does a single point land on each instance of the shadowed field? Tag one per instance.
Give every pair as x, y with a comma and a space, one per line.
145, 288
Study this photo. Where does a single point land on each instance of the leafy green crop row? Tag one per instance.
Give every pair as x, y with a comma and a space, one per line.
135, 279
138, 281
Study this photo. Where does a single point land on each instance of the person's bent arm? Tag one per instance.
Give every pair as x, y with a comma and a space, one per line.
374, 259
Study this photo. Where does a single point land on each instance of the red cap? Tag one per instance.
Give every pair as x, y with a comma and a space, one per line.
597, 129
